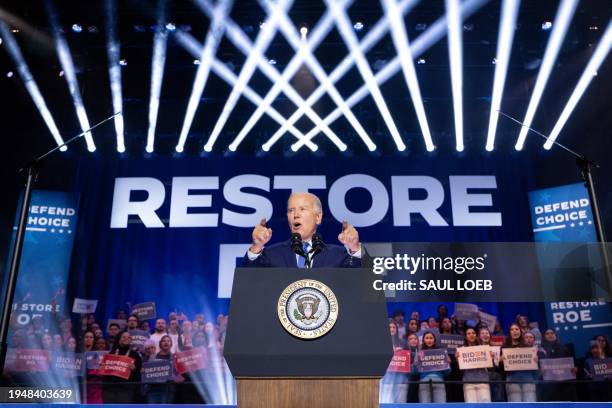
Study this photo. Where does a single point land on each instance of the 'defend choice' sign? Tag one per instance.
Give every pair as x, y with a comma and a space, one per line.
562, 214
191, 196
47, 250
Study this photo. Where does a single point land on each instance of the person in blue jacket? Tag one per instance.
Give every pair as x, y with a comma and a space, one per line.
304, 215
431, 386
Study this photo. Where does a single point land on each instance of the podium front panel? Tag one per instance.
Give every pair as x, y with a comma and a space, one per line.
257, 345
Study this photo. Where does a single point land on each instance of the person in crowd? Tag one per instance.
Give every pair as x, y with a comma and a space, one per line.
98, 333
442, 313
519, 384
495, 372
446, 326
101, 344
212, 340
598, 389
475, 381
58, 343
431, 387
412, 327
160, 331
497, 331
199, 339
46, 342
413, 347
95, 326
88, 342
460, 326
394, 385
432, 322
604, 343
199, 322
416, 316
396, 340
552, 348
37, 325
149, 351
117, 390
398, 317
174, 331
66, 328
144, 325
113, 332
132, 322
185, 341
162, 393
71, 345
424, 326
523, 323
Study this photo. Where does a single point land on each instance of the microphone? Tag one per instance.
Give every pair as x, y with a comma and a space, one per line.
317, 243
296, 244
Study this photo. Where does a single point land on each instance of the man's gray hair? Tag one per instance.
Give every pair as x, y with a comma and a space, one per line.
318, 207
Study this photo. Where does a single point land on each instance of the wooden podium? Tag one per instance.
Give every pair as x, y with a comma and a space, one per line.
300, 392
274, 369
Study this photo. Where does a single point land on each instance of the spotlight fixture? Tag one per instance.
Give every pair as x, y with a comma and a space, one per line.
421, 61
468, 27
303, 31
358, 26
420, 27
196, 62
9, 74
77, 28
170, 27
61, 73
92, 29
272, 61
547, 25
139, 28
123, 62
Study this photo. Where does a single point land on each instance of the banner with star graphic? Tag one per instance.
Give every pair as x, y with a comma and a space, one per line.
563, 214
45, 260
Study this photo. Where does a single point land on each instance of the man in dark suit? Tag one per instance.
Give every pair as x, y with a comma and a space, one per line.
304, 215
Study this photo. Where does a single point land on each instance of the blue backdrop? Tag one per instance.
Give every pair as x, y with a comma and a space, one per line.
178, 267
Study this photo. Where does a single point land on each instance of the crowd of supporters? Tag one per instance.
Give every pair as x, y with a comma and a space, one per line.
167, 338
89, 340
493, 384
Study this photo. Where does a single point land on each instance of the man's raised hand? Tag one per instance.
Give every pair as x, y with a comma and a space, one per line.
261, 236
349, 237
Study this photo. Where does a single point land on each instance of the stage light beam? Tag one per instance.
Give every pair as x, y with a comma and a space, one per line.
158, 62
28, 80
370, 39
505, 38
402, 45
213, 38
598, 57
255, 56
426, 40
114, 71
192, 46
304, 54
562, 21
345, 28
65, 58
455, 52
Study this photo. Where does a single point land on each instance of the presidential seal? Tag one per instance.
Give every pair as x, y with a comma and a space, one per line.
307, 309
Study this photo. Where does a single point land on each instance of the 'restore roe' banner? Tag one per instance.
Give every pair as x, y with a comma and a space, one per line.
563, 214
47, 251
170, 230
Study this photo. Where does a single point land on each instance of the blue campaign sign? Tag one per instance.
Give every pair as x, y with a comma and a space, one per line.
156, 371
562, 214
47, 250
432, 360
